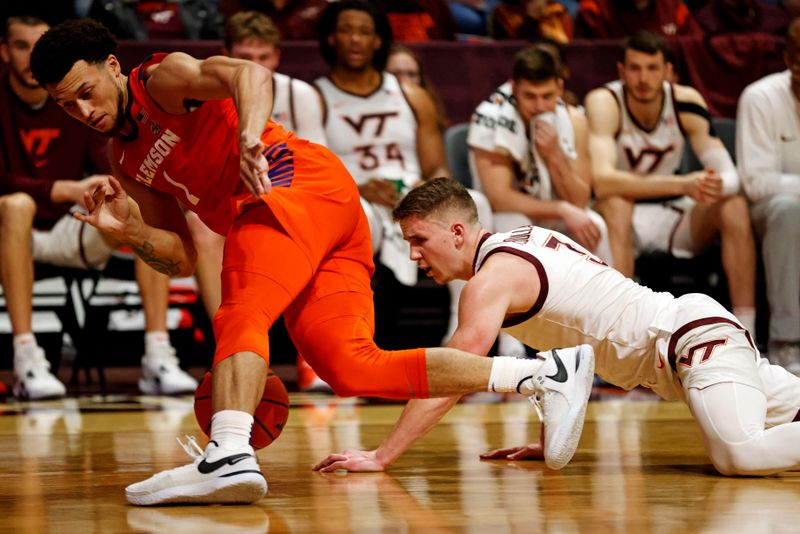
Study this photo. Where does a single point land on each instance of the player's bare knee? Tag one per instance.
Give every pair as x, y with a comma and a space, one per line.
17, 208
736, 215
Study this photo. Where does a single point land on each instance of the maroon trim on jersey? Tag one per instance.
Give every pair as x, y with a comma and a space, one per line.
796, 417
633, 118
368, 95
674, 231
619, 109
405, 97
682, 331
481, 241
544, 285
675, 107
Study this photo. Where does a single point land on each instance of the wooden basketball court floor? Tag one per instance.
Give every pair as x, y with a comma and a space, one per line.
640, 468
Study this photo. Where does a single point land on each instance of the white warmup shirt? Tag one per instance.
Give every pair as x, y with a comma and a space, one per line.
768, 137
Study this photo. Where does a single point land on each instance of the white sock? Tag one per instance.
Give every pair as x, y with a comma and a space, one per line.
23, 340
746, 316
155, 340
231, 429
514, 374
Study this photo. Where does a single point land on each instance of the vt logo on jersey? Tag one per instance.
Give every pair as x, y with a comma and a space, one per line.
156, 155
359, 123
653, 155
36, 143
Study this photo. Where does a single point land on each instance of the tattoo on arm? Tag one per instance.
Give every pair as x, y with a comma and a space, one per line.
146, 251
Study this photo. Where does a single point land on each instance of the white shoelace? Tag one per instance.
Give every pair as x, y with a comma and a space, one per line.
537, 404
192, 448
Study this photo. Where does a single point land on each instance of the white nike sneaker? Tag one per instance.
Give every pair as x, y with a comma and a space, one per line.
161, 374
215, 477
32, 377
561, 401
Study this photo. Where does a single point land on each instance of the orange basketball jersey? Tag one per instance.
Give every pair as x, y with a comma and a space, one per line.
195, 158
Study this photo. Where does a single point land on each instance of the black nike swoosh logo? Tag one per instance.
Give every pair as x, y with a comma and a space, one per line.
209, 467
561, 371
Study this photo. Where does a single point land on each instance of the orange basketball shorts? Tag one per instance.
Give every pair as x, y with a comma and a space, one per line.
311, 258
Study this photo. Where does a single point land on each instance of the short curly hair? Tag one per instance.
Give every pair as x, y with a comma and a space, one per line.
67, 43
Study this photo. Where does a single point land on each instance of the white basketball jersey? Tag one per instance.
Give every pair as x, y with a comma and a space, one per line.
496, 125
658, 151
375, 136
290, 95
582, 300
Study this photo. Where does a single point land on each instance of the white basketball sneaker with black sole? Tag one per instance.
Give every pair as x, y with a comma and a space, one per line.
216, 476
561, 400
161, 374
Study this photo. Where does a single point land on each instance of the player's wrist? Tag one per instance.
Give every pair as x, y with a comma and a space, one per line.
133, 229
60, 191
248, 141
383, 458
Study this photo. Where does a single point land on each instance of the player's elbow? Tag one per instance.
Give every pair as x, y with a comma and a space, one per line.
603, 186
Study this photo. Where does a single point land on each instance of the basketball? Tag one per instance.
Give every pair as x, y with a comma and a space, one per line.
270, 416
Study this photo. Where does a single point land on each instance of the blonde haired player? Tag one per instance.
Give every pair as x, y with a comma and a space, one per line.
547, 290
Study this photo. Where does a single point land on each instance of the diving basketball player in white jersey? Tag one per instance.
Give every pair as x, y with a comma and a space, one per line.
637, 126
549, 291
384, 132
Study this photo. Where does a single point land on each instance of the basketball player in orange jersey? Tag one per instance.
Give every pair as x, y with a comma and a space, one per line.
547, 290
637, 126
297, 242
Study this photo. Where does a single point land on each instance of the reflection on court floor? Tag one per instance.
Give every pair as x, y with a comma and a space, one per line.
640, 468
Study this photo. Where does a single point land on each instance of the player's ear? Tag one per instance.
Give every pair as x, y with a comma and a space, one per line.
458, 231
113, 64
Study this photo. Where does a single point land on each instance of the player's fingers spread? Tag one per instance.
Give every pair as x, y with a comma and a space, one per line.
88, 202
116, 187
332, 468
329, 460
497, 453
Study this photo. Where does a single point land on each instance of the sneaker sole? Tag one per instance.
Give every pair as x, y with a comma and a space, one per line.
20, 393
576, 414
246, 489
